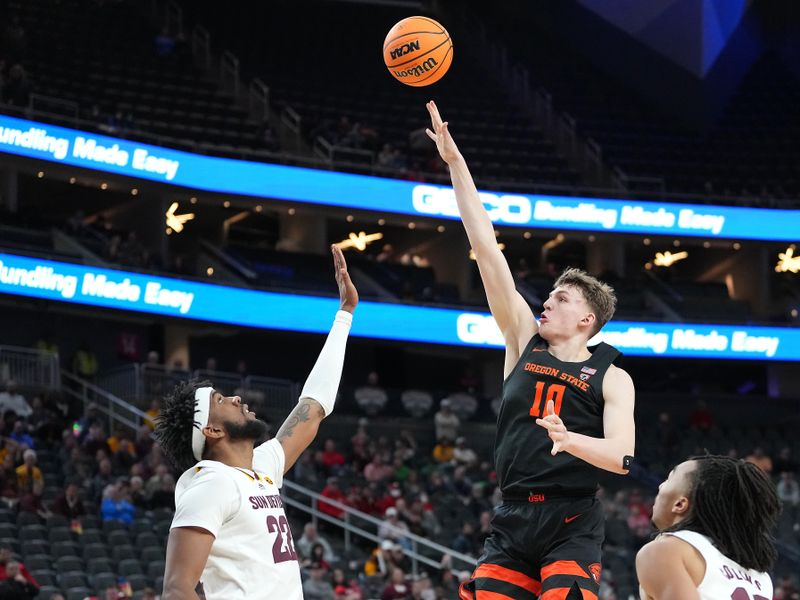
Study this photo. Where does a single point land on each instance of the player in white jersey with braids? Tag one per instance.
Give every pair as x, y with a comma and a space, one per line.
715, 516
230, 531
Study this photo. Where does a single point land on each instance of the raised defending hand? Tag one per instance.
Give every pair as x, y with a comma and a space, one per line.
348, 294
556, 429
441, 135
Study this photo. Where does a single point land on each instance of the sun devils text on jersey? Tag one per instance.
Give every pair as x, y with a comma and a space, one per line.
525, 467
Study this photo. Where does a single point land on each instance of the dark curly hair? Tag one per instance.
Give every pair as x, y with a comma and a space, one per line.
734, 503
175, 423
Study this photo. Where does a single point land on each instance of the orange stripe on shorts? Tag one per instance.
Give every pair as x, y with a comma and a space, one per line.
509, 575
561, 594
484, 595
563, 567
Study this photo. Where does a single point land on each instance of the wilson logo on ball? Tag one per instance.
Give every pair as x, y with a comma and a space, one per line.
418, 70
404, 49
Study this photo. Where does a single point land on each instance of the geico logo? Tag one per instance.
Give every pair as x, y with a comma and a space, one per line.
419, 69
478, 329
405, 49
431, 200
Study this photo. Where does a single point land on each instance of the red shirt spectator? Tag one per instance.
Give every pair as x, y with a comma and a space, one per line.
333, 492
331, 457
5, 558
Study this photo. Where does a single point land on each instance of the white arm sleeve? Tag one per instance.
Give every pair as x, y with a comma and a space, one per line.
323, 381
210, 499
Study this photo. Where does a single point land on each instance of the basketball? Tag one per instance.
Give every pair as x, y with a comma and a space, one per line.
418, 51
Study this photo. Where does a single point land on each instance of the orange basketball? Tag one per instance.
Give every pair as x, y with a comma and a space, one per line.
418, 51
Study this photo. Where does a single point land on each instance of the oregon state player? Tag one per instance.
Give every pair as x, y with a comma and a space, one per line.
230, 531
567, 413
716, 516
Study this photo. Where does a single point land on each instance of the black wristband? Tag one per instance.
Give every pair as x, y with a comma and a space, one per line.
627, 461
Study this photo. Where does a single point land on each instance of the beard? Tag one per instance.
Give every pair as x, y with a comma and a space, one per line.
256, 430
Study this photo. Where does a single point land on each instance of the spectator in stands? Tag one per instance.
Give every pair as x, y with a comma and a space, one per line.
20, 436
15, 586
701, 418
116, 506
138, 498
9, 489
17, 88
311, 537
6, 556
102, 479
397, 588
31, 502
371, 397
164, 43
759, 458
28, 473
358, 445
69, 503
465, 541
444, 451
152, 413
12, 401
266, 135
351, 591
463, 455
124, 456
95, 440
164, 497
393, 528
333, 492
784, 462
376, 471
788, 490
317, 587
84, 363
446, 422
332, 459
42, 421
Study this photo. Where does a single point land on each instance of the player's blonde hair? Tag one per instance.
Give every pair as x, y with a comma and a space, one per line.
599, 296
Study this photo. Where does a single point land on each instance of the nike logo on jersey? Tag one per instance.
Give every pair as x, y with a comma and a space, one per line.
571, 519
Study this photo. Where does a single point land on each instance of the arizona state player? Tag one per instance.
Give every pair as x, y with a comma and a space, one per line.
567, 413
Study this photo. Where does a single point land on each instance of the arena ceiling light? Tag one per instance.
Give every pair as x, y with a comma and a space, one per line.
175, 222
360, 241
787, 261
667, 259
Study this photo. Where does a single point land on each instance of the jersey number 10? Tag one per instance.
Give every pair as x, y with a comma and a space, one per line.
555, 392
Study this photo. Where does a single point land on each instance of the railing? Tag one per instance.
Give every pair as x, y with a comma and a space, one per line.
229, 72
201, 46
366, 526
114, 408
291, 119
67, 108
333, 153
29, 367
173, 17
140, 384
258, 100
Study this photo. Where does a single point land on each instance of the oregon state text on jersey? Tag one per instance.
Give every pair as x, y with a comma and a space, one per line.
253, 555
524, 464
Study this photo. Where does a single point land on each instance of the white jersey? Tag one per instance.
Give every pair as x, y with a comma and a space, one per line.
724, 577
253, 555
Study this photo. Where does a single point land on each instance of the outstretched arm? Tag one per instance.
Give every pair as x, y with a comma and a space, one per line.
619, 428
319, 392
509, 309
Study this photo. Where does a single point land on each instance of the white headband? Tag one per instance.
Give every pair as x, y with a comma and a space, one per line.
202, 404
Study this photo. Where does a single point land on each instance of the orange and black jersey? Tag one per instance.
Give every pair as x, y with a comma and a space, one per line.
522, 448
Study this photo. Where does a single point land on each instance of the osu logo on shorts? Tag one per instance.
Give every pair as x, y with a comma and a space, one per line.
595, 569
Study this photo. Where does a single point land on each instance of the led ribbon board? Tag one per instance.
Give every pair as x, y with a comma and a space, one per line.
80, 284
261, 180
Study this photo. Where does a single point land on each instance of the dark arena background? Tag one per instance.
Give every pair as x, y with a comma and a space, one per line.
172, 174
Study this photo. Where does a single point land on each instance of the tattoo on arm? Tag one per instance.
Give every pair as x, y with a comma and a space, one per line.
300, 414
